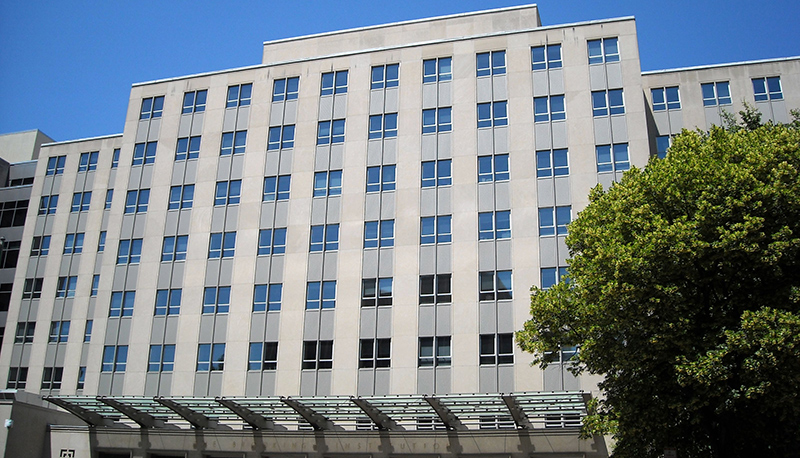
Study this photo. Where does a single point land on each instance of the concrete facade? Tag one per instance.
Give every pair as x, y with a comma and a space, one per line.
417, 211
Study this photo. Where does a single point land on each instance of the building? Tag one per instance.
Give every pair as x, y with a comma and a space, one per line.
337, 257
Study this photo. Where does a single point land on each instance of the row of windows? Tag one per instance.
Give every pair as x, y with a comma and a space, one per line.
433, 289
379, 178
717, 93
373, 353
433, 229
86, 163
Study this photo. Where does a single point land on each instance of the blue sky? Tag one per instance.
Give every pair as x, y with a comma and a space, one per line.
66, 67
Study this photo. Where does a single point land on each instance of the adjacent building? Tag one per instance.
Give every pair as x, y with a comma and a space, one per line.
342, 239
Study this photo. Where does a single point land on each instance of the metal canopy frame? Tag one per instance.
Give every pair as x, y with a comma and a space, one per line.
456, 412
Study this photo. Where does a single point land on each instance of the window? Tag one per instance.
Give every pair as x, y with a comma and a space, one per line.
376, 292
435, 229
239, 95
441, 357
493, 114
437, 173
716, 93
17, 377
385, 76
228, 192
101, 242
285, 89
554, 222
87, 331
194, 102
59, 331
48, 204
603, 50
434, 70
379, 234
330, 132
13, 213
495, 286
375, 353
493, 168
66, 286
491, 63
272, 241
549, 108
40, 245
663, 143
276, 188
607, 102
187, 148
494, 225
144, 153
233, 143
168, 302
620, 159
435, 289
88, 161
5, 299
666, 98
152, 107
181, 197
324, 238
267, 297
122, 303
32, 289
137, 200
162, 358
174, 248
334, 83
263, 356
25, 331
221, 245
281, 137
73, 243
81, 378
55, 165
381, 178
115, 358
767, 88
130, 251
437, 120
383, 125
109, 199
317, 354
20, 181
51, 378
546, 57
115, 158
552, 275
81, 201
216, 299
550, 163
328, 183
210, 357
497, 348
95, 285
321, 295
9, 255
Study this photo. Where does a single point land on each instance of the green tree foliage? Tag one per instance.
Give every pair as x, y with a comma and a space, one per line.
685, 294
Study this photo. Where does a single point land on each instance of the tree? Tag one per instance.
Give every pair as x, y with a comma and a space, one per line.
684, 292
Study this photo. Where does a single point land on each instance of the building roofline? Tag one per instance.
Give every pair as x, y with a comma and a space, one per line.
726, 64
101, 137
384, 48
24, 132
402, 23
